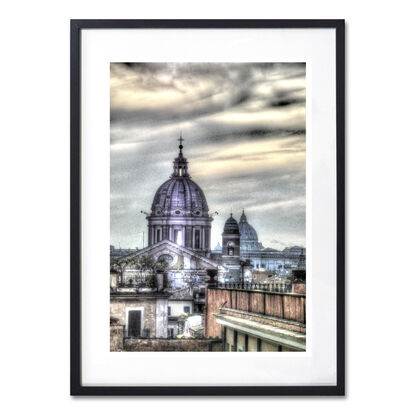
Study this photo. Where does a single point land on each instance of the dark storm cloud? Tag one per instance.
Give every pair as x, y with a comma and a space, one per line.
244, 130
217, 87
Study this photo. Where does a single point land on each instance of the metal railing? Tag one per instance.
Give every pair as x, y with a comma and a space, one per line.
279, 287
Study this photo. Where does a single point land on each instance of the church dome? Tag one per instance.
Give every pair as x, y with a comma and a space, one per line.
248, 233
180, 195
249, 237
179, 212
231, 226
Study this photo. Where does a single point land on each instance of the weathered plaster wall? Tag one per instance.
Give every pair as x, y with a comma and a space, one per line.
177, 307
116, 338
161, 317
118, 310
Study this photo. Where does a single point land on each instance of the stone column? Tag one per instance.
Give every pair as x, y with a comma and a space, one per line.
150, 241
160, 280
152, 234
188, 237
202, 237
207, 237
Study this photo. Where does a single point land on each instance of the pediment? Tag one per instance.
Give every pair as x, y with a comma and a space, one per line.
167, 247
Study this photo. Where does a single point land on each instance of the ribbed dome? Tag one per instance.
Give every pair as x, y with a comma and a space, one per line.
231, 226
249, 237
248, 233
179, 196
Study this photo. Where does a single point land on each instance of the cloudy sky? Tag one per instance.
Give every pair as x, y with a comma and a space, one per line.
244, 130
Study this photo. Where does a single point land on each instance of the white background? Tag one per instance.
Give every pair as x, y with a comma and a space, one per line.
34, 163
317, 366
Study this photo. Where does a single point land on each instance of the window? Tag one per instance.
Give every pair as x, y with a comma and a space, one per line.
178, 237
169, 311
158, 235
230, 251
186, 309
197, 238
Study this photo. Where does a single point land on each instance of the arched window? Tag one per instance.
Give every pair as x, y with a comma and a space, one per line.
230, 251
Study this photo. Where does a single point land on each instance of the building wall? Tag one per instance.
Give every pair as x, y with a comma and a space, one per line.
154, 313
281, 263
240, 338
116, 338
268, 347
177, 307
215, 299
161, 317
252, 344
229, 341
171, 345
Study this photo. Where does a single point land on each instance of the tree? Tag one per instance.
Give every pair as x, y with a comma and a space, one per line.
119, 265
147, 266
143, 264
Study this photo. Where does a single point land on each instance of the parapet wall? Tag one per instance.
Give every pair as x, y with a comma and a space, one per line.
172, 345
286, 306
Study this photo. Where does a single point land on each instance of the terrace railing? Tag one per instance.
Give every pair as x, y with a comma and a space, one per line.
279, 287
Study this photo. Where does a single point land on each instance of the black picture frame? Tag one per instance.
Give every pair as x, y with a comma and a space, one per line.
76, 387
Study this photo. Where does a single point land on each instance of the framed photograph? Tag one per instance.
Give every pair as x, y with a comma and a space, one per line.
207, 207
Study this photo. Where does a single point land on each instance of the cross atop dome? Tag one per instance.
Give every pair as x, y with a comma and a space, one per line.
181, 139
180, 162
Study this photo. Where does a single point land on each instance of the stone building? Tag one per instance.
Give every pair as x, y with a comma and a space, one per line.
180, 303
256, 319
141, 313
